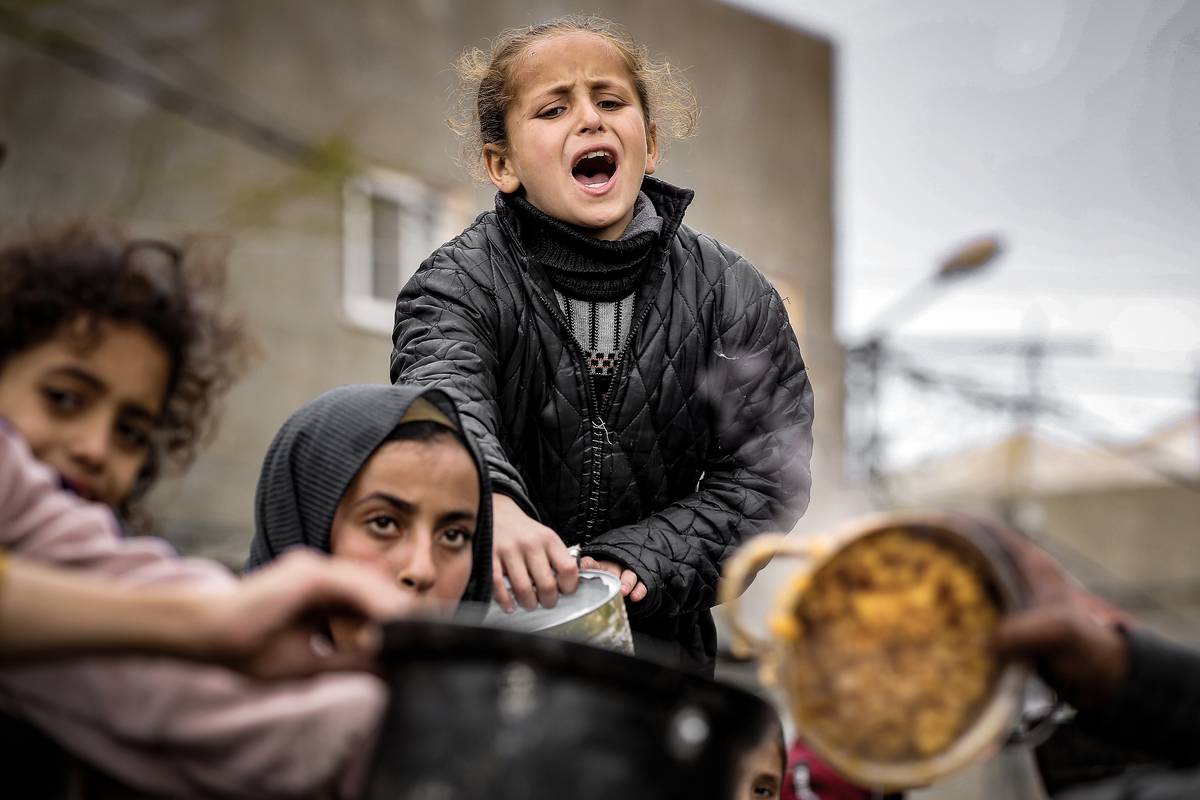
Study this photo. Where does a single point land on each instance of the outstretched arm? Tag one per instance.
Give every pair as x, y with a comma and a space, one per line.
757, 472
445, 336
263, 627
163, 725
1131, 688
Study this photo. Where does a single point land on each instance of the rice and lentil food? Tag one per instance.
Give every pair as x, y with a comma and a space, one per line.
889, 640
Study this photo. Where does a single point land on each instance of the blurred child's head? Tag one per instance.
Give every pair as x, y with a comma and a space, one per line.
809, 777
760, 776
571, 113
112, 353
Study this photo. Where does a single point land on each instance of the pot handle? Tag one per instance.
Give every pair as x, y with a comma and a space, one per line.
740, 570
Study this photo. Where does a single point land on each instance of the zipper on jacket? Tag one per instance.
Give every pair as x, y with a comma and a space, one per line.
599, 425
592, 502
597, 413
598, 428
601, 433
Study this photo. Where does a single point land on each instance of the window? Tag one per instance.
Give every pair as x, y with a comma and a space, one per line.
392, 222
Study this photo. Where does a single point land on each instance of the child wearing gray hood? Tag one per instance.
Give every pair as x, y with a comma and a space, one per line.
384, 475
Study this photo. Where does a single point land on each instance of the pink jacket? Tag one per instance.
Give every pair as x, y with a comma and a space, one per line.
161, 725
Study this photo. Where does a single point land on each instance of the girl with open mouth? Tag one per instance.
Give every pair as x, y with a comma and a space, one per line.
634, 385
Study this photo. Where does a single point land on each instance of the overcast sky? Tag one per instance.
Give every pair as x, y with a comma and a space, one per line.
1071, 128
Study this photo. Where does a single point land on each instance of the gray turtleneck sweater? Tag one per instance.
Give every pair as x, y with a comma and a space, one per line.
595, 281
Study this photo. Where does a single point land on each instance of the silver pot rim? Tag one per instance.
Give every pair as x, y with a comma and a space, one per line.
518, 620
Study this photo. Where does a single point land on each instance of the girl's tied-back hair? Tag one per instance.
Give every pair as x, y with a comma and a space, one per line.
73, 277
486, 91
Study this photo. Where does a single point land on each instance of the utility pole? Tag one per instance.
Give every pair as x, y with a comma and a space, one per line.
868, 359
1019, 477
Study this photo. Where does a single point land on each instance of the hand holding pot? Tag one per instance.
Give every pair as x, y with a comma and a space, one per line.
631, 587
267, 626
1067, 632
531, 556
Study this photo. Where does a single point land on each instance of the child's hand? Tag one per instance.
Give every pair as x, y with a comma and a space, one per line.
631, 587
268, 627
531, 556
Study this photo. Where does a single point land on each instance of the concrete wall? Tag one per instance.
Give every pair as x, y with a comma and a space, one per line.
367, 81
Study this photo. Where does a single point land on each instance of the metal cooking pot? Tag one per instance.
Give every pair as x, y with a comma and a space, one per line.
594, 614
484, 713
966, 537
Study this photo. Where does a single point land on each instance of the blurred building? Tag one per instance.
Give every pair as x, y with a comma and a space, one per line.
312, 134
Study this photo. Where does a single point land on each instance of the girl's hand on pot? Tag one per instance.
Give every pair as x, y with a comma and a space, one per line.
631, 587
531, 556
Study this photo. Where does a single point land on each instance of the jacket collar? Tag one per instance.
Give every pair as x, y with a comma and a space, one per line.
669, 201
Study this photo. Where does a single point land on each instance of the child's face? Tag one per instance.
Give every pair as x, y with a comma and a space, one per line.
761, 773
575, 97
411, 513
90, 408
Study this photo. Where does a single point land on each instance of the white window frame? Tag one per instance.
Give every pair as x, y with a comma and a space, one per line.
360, 306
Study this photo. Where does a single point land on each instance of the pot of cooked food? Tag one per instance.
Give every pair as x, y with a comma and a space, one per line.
880, 641
594, 614
484, 713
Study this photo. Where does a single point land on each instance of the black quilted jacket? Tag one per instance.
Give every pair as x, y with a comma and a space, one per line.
706, 434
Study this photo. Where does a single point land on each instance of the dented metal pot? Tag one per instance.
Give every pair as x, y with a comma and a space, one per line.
594, 614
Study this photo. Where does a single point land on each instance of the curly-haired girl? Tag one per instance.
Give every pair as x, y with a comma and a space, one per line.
113, 352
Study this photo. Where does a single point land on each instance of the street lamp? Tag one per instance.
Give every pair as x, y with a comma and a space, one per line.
969, 258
